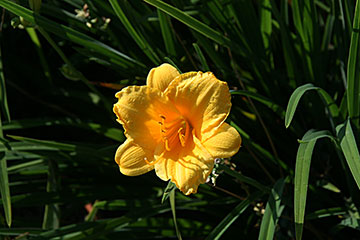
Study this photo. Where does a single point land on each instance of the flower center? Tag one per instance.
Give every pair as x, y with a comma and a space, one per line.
174, 132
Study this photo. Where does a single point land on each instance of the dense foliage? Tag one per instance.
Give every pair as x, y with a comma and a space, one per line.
62, 62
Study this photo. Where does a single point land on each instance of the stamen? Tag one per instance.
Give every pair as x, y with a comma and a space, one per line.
181, 137
167, 145
173, 132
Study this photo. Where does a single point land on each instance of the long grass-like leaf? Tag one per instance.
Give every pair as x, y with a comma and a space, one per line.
302, 170
304, 22
273, 211
299, 92
219, 230
109, 132
4, 178
202, 59
327, 212
266, 101
266, 22
289, 53
3, 98
53, 144
350, 149
294, 101
353, 70
52, 211
140, 40
243, 178
166, 32
191, 22
173, 210
262, 151
35, 39
71, 34
208, 46
4, 188
94, 230
328, 31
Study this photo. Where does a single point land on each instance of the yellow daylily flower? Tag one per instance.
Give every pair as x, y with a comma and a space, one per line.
175, 125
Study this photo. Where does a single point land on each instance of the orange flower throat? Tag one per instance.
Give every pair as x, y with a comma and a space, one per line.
174, 133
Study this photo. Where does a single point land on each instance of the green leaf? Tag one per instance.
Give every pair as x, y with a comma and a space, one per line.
18, 167
302, 170
350, 149
265, 22
140, 40
173, 211
219, 230
52, 211
170, 186
202, 59
329, 26
4, 188
109, 132
243, 178
4, 178
71, 34
3, 98
266, 101
171, 62
259, 149
299, 92
305, 23
95, 230
52, 144
166, 32
287, 44
273, 211
326, 212
191, 22
294, 101
353, 70
351, 222
210, 49
34, 38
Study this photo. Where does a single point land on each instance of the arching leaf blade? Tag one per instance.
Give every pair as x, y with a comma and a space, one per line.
350, 149
302, 170
294, 101
299, 92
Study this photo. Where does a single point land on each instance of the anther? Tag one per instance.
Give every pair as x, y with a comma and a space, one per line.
167, 145
181, 137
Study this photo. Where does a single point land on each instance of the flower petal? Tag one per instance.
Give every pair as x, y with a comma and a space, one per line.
187, 168
160, 77
131, 159
139, 110
224, 143
202, 99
